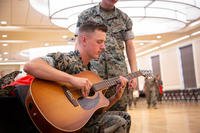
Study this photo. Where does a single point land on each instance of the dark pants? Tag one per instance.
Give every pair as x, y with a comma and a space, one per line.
14, 118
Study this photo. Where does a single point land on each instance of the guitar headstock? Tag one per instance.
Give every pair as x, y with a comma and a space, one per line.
146, 73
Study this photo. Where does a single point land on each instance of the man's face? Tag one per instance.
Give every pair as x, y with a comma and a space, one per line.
96, 44
150, 81
110, 2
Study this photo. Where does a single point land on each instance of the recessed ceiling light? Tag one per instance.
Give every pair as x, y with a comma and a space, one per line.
13, 41
5, 59
158, 37
64, 36
4, 36
5, 53
141, 43
46, 44
6, 27
4, 44
3, 22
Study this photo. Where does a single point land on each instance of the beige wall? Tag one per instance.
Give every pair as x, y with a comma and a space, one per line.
170, 68
9, 68
170, 64
144, 63
196, 49
13, 67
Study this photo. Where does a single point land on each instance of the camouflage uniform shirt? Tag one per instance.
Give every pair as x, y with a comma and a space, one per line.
112, 62
70, 63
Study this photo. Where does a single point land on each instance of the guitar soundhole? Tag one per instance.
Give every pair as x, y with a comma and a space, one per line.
91, 92
30, 106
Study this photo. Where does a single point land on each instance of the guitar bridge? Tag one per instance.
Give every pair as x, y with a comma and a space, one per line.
69, 96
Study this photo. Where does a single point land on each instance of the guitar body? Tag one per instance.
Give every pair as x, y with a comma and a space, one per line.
56, 108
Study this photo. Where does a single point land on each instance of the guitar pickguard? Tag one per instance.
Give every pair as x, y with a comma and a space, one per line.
88, 103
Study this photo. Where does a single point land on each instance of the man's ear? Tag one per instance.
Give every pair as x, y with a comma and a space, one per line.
84, 40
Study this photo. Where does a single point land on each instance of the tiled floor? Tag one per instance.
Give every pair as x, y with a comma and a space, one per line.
170, 117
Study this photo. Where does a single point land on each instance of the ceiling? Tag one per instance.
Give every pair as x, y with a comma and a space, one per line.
27, 28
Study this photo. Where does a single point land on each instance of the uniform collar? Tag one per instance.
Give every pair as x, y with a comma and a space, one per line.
77, 53
99, 12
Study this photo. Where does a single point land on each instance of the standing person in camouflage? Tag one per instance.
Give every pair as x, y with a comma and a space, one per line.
59, 67
112, 62
160, 87
151, 90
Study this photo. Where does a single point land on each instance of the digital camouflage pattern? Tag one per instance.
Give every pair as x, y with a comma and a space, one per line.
112, 62
109, 122
8, 78
151, 91
68, 62
5, 90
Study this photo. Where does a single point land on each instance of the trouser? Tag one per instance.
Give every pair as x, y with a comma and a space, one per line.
151, 97
109, 122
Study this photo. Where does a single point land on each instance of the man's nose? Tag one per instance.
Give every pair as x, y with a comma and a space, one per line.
103, 46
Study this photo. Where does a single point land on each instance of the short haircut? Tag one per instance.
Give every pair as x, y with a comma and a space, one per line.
91, 26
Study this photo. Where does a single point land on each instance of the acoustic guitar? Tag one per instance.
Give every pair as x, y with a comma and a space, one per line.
54, 107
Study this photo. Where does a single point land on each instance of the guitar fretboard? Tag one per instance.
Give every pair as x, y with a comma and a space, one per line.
113, 81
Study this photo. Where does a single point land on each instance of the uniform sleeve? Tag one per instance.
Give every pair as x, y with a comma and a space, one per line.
54, 59
129, 31
49, 60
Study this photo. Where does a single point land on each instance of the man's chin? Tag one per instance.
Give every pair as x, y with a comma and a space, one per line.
97, 57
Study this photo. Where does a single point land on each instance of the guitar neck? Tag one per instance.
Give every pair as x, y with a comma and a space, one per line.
113, 81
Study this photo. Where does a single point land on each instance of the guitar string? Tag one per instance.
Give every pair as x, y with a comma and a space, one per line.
115, 80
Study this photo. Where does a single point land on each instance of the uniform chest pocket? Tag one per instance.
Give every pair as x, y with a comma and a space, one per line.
118, 30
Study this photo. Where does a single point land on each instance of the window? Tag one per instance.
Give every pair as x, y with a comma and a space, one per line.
155, 60
188, 66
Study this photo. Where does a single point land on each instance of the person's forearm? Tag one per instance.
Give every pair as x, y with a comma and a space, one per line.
131, 55
40, 69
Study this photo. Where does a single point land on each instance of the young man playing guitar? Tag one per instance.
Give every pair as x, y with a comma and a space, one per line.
61, 67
